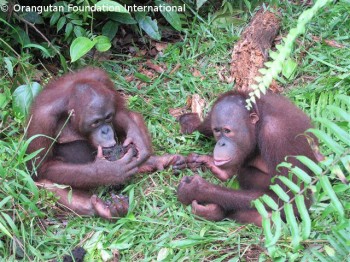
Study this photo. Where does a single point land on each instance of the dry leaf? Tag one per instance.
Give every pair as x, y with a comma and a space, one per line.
129, 78
196, 72
140, 85
153, 52
274, 87
178, 65
142, 53
155, 67
197, 105
331, 43
188, 101
161, 46
176, 112
146, 72
38, 76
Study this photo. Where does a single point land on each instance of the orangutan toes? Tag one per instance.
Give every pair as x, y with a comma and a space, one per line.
117, 207
189, 188
211, 212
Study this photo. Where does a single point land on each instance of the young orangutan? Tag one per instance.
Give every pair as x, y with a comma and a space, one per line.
250, 143
78, 117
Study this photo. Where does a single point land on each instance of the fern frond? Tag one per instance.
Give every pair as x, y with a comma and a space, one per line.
330, 179
274, 67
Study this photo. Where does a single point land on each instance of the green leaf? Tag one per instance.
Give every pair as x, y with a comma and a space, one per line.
79, 31
289, 68
261, 209
183, 243
20, 36
199, 3
225, 20
270, 202
120, 246
23, 97
330, 251
5, 200
344, 98
9, 66
10, 223
54, 18
149, 26
69, 30
301, 174
102, 43
33, 17
4, 230
142, 77
311, 165
276, 218
111, 6
77, 22
338, 131
64, 63
273, 55
293, 225
304, 215
80, 47
122, 18
340, 112
290, 184
61, 23
280, 192
338, 243
38, 47
110, 29
73, 16
327, 187
266, 225
172, 17
24, 147
325, 138
3, 100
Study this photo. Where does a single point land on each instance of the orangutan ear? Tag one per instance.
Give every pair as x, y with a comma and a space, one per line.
254, 118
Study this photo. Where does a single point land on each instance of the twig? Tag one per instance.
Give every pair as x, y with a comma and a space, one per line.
38, 31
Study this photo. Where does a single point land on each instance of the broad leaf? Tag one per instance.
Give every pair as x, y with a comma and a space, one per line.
172, 17
54, 18
123, 18
9, 65
110, 29
289, 68
200, 3
61, 23
23, 97
102, 43
80, 47
149, 26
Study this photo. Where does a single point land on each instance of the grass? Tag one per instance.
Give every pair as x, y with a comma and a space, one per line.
158, 227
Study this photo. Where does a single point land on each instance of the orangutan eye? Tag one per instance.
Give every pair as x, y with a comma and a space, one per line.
227, 131
96, 123
216, 130
109, 118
